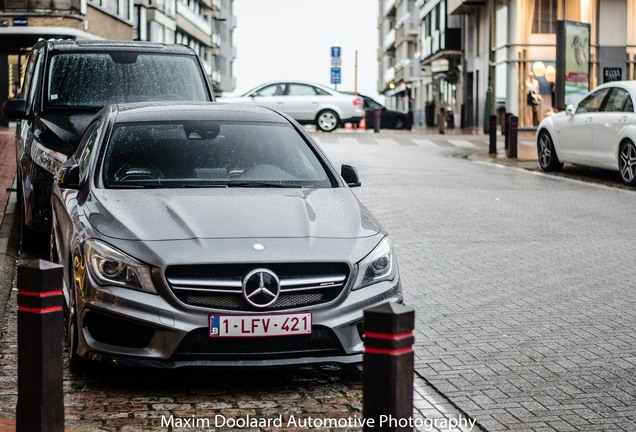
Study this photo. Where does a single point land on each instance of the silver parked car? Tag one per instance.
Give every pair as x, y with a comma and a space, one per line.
307, 103
599, 132
213, 234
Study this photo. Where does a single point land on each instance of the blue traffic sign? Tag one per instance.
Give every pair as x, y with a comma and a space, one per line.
335, 75
335, 51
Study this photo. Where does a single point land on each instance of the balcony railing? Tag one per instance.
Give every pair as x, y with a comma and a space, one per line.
193, 18
389, 39
438, 41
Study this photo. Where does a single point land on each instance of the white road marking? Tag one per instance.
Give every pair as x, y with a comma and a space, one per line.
462, 144
424, 143
388, 141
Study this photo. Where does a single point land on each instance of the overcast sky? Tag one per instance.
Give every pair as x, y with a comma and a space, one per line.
291, 39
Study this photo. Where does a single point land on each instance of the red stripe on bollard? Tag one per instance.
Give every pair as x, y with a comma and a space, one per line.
388, 336
40, 310
39, 294
390, 352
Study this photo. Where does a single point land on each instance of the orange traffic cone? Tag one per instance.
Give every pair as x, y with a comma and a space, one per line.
363, 124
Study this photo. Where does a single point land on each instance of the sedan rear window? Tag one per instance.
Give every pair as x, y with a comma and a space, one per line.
93, 80
206, 154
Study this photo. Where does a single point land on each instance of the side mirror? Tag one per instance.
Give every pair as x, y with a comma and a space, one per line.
350, 176
569, 110
14, 109
68, 177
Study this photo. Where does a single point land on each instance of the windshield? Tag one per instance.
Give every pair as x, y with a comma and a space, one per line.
210, 154
93, 80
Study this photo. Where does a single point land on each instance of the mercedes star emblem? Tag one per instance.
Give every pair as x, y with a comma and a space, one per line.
261, 288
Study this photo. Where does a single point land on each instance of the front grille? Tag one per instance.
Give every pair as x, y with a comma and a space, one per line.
220, 286
321, 342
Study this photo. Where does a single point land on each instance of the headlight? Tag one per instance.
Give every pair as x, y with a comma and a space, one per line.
48, 159
378, 266
112, 267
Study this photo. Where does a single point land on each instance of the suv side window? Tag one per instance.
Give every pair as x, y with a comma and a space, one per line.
30, 87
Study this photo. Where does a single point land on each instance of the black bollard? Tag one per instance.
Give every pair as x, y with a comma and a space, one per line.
507, 134
492, 132
377, 118
40, 325
514, 131
388, 368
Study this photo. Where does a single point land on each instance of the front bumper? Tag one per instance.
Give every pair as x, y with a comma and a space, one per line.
122, 326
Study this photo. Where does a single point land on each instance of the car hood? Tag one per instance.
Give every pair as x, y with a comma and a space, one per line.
179, 214
62, 130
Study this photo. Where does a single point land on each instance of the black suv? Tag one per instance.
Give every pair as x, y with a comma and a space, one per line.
65, 84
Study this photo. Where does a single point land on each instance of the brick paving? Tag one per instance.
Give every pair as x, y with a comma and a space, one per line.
523, 282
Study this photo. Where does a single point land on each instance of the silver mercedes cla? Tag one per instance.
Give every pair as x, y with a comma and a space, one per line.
217, 235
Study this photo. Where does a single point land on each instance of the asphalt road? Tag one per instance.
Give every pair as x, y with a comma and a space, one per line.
523, 289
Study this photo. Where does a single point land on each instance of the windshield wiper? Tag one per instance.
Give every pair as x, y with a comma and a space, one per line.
261, 184
166, 185
76, 107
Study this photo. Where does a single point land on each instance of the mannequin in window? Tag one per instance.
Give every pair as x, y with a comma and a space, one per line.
533, 100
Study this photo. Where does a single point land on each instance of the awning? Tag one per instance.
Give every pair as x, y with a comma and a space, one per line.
12, 39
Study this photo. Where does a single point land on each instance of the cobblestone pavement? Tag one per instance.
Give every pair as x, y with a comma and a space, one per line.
524, 284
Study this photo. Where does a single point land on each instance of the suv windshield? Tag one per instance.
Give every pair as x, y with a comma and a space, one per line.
210, 154
93, 80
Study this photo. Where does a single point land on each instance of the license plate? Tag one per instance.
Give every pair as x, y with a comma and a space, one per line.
260, 325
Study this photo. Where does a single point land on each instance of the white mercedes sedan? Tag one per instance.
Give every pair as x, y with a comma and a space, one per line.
599, 132
307, 103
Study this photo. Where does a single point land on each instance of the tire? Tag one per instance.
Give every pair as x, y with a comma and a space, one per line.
76, 364
30, 241
327, 121
627, 163
399, 123
548, 159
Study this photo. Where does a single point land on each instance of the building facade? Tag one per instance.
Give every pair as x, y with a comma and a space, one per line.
476, 56
206, 26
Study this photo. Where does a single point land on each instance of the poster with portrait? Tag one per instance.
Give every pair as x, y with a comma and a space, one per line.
573, 62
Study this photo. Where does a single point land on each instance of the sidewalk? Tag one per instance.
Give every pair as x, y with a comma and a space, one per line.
9, 236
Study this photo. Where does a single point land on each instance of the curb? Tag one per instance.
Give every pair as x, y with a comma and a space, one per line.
9, 249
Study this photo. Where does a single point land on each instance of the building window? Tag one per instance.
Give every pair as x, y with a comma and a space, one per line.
545, 12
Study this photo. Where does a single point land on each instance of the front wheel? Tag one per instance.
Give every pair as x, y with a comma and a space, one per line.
327, 120
30, 241
548, 159
627, 163
76, 364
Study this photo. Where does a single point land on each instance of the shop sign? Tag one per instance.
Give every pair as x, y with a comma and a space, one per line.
612, 74
20, 21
